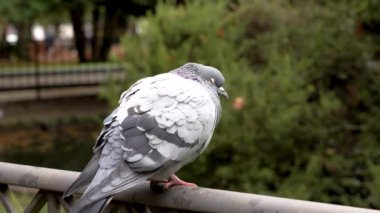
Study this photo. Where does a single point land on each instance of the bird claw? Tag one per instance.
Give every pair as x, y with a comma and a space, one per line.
161, 186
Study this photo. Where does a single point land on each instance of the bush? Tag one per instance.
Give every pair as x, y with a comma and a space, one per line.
308, 126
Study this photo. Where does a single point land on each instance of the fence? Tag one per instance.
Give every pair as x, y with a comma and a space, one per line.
50, 67
58, 76
52, 182
35, 82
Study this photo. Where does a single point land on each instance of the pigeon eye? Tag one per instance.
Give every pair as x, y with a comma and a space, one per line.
212, 80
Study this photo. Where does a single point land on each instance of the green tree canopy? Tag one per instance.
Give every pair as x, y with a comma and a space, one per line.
308, 128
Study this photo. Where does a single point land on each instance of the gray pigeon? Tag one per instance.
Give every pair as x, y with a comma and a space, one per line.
162, 123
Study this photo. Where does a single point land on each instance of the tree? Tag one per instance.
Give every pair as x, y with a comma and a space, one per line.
109, 18
109, 13
22, 14
77, 11
308, 129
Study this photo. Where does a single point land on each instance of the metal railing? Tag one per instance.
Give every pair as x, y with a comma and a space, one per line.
52, 182
56, 79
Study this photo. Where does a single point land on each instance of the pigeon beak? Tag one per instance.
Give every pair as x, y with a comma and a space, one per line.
222, 92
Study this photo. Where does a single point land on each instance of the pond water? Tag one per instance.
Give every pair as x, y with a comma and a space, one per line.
55, 144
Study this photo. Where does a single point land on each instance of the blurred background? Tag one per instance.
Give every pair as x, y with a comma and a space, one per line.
303, 76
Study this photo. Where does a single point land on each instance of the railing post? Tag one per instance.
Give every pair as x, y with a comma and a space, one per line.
4, 191
37, 72
53, 202
37, 203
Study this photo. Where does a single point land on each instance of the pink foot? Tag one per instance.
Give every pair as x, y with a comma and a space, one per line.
160, 186
175, 181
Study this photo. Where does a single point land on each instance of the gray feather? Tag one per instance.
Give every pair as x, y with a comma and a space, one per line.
120, 179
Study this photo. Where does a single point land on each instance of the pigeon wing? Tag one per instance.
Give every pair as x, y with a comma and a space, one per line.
92, 166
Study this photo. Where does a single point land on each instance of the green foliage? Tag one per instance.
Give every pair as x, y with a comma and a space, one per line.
20, 11
308, 128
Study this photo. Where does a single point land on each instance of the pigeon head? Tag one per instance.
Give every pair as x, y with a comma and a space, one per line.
204, 74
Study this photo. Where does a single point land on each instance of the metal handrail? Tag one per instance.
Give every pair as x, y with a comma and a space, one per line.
193, 199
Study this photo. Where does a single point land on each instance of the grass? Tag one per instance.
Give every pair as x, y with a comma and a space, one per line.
19, 201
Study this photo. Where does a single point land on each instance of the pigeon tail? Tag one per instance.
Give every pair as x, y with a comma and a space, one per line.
84, 178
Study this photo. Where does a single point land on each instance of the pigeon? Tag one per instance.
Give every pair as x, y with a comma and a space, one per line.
162, 123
